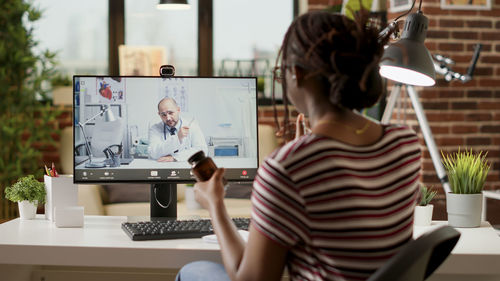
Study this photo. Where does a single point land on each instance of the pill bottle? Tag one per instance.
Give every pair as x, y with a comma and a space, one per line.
203, 167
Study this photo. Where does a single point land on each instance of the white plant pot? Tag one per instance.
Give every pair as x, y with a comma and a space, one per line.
27, 209
464, 210
423, 215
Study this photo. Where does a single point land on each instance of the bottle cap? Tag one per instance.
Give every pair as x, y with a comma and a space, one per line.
197, 157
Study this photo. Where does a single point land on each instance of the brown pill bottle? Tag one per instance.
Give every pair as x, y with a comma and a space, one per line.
203, 167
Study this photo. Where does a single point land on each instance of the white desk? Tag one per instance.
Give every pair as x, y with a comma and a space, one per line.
492, 194
38, 245
475, 257
101, 242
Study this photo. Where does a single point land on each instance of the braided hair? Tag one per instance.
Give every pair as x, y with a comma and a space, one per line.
344, 55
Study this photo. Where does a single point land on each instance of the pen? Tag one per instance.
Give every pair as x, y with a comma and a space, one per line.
47, 171
54, 171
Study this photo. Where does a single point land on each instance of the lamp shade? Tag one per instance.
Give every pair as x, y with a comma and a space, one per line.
173, 5
109, 116
408, 61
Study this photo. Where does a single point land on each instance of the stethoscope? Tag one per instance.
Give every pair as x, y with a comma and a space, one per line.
165, 130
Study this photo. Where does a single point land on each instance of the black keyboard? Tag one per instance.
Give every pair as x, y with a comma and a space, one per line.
174, 229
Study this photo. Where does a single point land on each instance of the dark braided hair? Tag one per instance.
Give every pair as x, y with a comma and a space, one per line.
343, 54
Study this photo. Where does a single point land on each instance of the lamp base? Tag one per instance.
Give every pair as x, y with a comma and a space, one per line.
94, 165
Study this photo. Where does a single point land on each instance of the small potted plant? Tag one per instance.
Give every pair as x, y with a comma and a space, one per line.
27, 192
467, 173
423, 211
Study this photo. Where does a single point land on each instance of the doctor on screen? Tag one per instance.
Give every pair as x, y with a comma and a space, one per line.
174, 138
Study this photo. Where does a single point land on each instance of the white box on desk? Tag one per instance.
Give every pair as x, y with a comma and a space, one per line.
60, 192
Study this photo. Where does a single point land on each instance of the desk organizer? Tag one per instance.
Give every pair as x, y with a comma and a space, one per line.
61, 192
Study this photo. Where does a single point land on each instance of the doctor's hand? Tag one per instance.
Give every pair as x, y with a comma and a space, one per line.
210, 194
183, 132
167, 158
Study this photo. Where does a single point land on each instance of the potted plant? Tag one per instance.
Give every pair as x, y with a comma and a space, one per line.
28, 119
27, 192
467, 173
423, 211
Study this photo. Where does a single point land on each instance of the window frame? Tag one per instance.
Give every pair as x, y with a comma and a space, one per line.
116, 27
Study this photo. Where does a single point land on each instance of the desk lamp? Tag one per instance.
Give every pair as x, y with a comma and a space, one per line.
108, 117
173, 5
408, 61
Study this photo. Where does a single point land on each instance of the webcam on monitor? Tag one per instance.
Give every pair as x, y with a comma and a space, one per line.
167, 71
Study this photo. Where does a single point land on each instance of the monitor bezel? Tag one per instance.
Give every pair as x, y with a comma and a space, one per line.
251, 177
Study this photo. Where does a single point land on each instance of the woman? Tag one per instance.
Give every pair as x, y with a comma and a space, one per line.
333, 204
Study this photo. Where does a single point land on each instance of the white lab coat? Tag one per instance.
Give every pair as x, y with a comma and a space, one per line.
162, 143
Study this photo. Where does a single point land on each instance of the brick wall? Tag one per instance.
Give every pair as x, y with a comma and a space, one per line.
464, 115
51, 153
459, 115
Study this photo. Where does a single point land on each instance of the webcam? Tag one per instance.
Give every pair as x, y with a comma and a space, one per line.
167, 71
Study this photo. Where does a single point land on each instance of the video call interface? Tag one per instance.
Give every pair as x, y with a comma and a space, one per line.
144, 129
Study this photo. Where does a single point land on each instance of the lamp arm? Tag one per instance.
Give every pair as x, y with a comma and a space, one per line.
475, 57
105, 108
390, 28
87, 146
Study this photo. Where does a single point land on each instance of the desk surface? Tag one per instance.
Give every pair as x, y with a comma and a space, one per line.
477, 250
102, 242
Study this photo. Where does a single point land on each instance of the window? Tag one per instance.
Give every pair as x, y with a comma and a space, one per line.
176, 31
247, 37
78, 32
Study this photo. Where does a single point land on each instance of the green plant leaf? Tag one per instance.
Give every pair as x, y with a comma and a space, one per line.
26, 188
467, 171
25, 119
426, 195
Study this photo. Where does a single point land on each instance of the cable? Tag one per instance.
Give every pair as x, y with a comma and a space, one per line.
407, 12
393, 26
169, 198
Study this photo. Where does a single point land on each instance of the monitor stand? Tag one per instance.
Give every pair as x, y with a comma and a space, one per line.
163, 201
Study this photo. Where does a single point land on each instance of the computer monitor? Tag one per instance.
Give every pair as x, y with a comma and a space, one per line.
143, 129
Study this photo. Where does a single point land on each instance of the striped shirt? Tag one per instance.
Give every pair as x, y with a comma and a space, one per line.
341, 210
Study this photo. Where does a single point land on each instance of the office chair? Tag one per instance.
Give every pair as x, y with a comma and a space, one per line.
419, 258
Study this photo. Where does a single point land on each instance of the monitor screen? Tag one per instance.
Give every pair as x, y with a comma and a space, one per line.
144, 129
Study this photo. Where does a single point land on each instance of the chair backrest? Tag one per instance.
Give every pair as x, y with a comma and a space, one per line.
419, 258
105, 134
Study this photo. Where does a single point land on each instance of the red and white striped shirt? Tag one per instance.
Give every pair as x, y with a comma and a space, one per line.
342, 210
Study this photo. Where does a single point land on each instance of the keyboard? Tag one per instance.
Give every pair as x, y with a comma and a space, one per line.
174, 229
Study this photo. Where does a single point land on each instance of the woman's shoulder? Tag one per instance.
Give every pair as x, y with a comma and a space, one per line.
310, 144
296, 148
398, 130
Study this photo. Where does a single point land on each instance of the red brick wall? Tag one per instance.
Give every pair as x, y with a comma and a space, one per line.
51, 153
464, 115
460, 115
